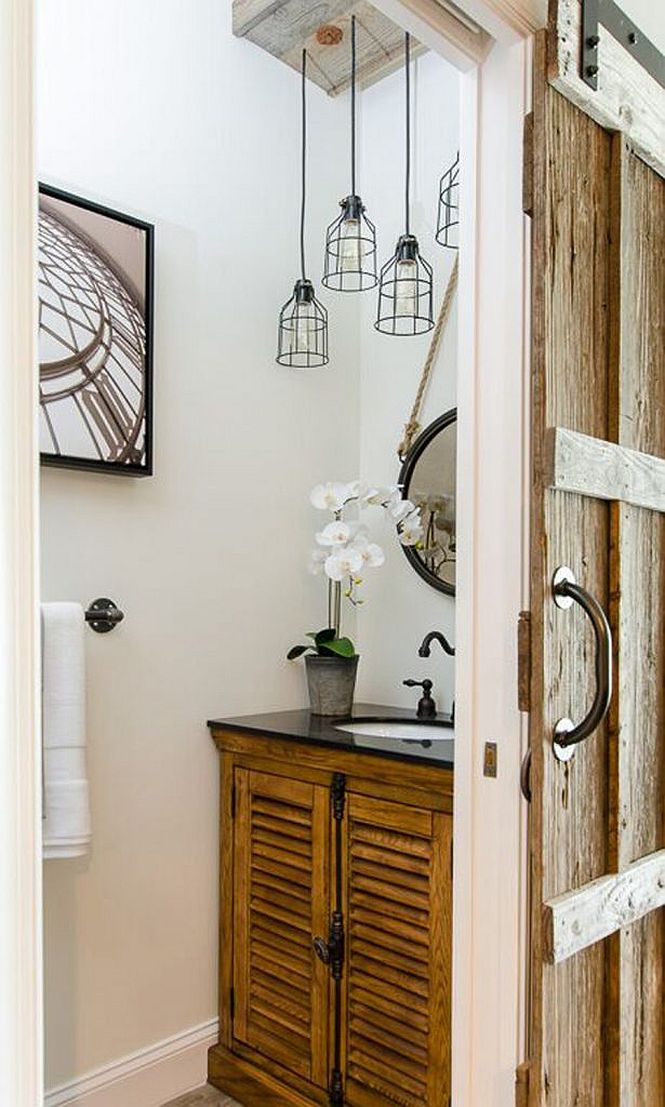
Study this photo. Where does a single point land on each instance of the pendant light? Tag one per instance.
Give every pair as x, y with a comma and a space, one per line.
303, 321
447, 224
350, 257
406, 286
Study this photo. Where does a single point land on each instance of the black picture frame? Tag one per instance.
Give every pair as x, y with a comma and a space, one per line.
143, 468
406, 473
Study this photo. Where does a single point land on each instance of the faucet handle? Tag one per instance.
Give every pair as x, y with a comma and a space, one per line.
426, 705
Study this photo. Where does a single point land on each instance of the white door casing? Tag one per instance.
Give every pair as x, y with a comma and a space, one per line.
490, 832
20, 777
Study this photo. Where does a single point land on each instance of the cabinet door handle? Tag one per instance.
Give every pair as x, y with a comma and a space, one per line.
322, 950
332, 951
567, 735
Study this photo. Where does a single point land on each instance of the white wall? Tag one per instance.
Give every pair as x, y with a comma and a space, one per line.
158, 111
400, 606
649, 17
151, 106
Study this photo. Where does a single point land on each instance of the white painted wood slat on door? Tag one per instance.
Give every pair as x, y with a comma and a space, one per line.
593, 467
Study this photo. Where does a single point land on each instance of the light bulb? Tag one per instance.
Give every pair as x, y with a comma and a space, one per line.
304, 333
350, 246
406, 289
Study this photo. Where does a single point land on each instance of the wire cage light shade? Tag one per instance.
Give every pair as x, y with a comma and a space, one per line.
406, 291
350, 257
350, 254
406, 283
302, 337
447, 224
303, 330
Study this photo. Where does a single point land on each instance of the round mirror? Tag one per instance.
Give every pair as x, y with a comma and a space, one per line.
428, 479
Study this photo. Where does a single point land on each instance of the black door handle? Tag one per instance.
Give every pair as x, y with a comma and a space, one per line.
567, 734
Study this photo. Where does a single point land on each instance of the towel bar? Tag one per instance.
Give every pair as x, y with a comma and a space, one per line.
103, 615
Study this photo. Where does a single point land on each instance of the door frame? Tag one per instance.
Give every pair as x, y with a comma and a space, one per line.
490, 821
20, 778
490, 910
490, 867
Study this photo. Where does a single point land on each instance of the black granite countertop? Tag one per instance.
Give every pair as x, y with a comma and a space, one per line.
302, 726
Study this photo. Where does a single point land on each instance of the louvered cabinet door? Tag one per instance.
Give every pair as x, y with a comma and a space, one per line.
281, 890
399, 955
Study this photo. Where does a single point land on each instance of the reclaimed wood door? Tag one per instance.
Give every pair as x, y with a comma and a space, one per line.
399, 929
597, 1025
281, 899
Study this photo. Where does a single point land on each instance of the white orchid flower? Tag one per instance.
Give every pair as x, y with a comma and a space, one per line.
376, 496
343, 563
400, 510
329, 497
316, 562
411, 530
335, 534
372, 554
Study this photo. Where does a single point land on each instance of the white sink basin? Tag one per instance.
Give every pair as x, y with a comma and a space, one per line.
407, 731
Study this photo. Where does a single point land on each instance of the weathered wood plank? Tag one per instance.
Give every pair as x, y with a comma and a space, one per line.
571, 269
576, 920
285, 15
285, 27
598, 353
592, 467
627, 98
636, 969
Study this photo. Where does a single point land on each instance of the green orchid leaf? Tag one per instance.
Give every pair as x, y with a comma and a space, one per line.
326, 635
297, 651
341, 647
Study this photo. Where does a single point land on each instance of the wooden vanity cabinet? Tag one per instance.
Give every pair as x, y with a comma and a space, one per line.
312, 837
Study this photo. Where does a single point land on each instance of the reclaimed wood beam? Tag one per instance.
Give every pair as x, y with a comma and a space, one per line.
576, 920
284, 27
627, 99
592, 467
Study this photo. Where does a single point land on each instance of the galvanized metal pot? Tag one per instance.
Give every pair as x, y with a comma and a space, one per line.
331, 682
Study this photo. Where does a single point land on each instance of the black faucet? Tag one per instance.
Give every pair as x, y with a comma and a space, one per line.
425, 649
435, 636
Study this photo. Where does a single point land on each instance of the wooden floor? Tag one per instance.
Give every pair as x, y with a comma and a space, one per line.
204, 1097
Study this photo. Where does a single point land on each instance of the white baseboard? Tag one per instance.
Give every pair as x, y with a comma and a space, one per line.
149, 1078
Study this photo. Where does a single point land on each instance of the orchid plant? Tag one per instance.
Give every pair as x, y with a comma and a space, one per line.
344, 551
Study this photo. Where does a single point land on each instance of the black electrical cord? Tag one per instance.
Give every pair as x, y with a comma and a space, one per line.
304, 163
353, 105
407, 64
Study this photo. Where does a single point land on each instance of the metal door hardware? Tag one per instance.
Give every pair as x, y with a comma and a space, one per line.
525, 776
567, 735
490, 760
608, 14
332, 951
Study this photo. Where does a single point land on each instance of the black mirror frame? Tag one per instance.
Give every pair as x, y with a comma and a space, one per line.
406, 472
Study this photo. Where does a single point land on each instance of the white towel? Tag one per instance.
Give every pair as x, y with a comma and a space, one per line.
66, 814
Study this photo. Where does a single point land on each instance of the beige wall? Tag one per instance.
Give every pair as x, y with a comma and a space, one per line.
153, 108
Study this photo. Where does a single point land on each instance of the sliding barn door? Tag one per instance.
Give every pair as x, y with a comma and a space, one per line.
598, 590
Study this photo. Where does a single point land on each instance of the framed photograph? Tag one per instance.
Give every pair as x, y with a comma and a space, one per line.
95, 336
